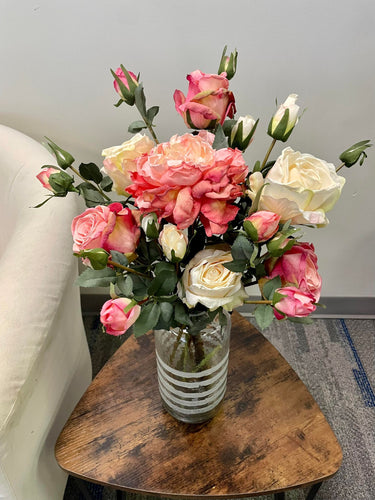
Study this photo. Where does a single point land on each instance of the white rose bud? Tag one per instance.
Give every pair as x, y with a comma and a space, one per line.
242, 133
285, 119
172, 238
150, 225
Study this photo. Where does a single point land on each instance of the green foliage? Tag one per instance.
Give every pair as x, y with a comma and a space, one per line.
264, 315
90, 194
61, 183
90, 172
356, 152
220, 140
97, 256
147, 319
106, 184
136, 126
181, 315
270, 287
92, 277
119, 257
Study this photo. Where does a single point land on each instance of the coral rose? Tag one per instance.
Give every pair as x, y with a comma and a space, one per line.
208, 100
295, 304
114, 318
121, 160
266, 224
207, 281
298, 266
109, 227
185, 178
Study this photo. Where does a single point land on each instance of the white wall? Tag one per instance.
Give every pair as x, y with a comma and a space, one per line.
55, 59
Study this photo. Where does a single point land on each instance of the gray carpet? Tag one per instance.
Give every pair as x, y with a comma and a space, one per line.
335, 358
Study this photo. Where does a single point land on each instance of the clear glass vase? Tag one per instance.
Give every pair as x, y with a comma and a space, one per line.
192, 369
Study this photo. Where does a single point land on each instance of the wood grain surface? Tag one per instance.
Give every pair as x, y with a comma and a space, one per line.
268, 436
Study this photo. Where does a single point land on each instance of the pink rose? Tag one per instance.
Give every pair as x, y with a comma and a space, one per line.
186, 178
111, 228
122, 77
266, 224
114, 318
44, 176
208, 100
298, 267
295, 304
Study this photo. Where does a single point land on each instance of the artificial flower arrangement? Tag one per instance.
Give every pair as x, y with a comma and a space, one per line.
196, 226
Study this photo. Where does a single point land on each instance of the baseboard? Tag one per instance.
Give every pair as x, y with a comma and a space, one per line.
342, 307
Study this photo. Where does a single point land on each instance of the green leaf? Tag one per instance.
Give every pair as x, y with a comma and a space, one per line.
242, 248
163, 284
305, 321
220, 141
264, 315
125, 285
136, 126
166, 312
90, 194
106, 184
147, 319
164, 266
236, 266
90, 172
227, 126
119, 257
92, 277
270, 287
351, 155
140, 99
181, 315
250, 230
151, 113
257, 166
140, 286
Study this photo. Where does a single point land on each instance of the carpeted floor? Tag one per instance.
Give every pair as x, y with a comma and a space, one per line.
335, 358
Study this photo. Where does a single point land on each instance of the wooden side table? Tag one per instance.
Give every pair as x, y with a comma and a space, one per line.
269, 435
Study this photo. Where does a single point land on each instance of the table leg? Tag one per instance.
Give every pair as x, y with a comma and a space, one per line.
313, 491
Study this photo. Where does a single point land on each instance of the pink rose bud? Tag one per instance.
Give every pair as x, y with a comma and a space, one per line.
295, 304
266, 225
125, 83
228, 63
44, 176
208, 100
114, 318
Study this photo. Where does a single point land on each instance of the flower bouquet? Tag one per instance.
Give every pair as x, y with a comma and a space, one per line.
196, 226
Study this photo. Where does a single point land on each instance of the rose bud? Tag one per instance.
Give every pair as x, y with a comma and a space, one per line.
284, 120
44, 176
208, 100
150, 225
172, 239
125, 83
114, 318
64, 159
242, 133
228, 63
356, 152
294, 303
263, 225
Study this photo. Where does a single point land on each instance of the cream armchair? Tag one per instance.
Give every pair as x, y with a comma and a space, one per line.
44, 358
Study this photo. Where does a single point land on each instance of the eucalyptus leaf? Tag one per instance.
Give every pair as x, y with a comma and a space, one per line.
119, 257
125, 285
163, 284
90, 194
220, 141
181, 315
151, 113
237, 266
242, 248
140, 99
270, 287
106, 184
136, 126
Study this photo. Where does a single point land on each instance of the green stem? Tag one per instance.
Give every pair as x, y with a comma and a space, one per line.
268, 154
205, 360
340, 167
128, 269
95, 187
175, 347
257, 301
149, 126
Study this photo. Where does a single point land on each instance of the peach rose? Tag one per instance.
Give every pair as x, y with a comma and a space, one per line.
109, 227
208, 100
266, 224
295, 304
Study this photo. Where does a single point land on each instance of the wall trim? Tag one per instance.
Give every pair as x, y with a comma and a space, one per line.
342, 307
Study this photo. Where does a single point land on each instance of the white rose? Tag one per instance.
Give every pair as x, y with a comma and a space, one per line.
207, 281
121, 160
172, 238
300, 187
290, 104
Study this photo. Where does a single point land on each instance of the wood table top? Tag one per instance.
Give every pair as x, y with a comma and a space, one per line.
268, 436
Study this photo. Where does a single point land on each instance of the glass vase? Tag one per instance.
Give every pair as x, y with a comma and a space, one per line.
192, 369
